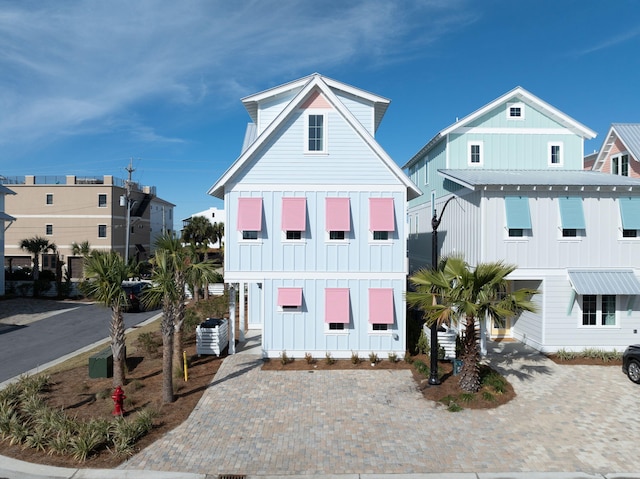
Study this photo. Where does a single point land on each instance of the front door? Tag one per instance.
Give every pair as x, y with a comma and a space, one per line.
501, 328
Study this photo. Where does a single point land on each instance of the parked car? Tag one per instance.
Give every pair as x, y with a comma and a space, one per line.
134, 290
631, 362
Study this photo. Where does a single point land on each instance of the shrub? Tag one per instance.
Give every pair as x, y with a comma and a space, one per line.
329, 359
393, 357
373, 358
150, 343
355, 359
422, 368
422, 347
284, 359
309, 358
495, 381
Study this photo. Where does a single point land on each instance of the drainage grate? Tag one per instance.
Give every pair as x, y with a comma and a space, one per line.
232, 476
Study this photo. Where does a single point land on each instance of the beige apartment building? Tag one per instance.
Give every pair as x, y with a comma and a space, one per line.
73, 209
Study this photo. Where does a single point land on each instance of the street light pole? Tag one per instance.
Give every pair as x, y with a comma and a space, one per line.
435, 222
130, 170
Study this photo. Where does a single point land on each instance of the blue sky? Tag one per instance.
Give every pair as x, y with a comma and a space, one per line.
85, 86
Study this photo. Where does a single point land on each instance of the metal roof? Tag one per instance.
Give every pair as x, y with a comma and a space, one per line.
629, 133
473, 178
604, 282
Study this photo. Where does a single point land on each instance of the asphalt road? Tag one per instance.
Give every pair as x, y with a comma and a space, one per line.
24, 347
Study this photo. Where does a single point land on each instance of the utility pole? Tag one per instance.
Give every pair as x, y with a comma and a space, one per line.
130, 170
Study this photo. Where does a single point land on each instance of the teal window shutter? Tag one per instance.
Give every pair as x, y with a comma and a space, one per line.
517, 208
571, 213
630, 213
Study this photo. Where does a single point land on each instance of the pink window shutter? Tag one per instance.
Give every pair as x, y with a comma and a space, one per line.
294, 214
381, 305
289, 296
336, 305
381, 217
249, 214
337, 214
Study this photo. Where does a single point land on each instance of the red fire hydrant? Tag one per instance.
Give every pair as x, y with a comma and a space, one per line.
118, 400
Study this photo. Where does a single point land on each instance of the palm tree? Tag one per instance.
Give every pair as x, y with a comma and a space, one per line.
105, 272
456, 292
81, 249
165, 292
199, 232
37, 246
218, 234
184, 269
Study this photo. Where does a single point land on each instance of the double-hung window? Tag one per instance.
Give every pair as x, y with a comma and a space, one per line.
630, 216
48, 230
338, 218
250, 218
381, 311
294, 218
102, 231
316, 133
571, 216
518, 216
102, 200
381, 218
599, 310
49, 199
475, 153
555, 152
290, 299
336, 309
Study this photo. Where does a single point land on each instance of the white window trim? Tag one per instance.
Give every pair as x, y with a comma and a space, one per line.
106, 200
516, 105
325, 132
526, 234
241, 239
283, 238
297, 309
387, 332
599, 324
549, 145
580, 235
619, 156
426, 170
475, 143
327, 238
375, 241
627, 238
337, 332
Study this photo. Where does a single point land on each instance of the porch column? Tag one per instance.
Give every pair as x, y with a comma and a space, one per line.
241, 300
232, 318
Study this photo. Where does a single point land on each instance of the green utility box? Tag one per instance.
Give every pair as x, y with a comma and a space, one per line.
101, 364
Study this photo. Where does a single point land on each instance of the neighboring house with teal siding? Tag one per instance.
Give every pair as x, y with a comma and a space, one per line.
315, 214
519, 194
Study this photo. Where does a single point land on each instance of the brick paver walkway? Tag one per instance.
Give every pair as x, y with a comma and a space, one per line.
565, 418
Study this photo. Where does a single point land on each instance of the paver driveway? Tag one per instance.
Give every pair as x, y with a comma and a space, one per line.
565, 418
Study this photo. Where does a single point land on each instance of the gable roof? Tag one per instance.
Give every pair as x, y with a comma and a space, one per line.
380, 103
475, 179
629, 136
308, 86
519, 94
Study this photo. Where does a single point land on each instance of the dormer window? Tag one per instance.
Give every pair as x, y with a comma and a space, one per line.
620, 165
316, 133
515, 111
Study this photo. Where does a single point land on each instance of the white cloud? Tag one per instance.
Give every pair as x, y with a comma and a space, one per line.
66, 66
611, 42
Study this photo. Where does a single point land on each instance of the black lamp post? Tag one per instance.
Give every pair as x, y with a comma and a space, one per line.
435, 222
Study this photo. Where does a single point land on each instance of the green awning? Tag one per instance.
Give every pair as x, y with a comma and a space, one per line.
517, 209
571, 214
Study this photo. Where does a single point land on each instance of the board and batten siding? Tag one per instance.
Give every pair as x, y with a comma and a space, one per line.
358, 253
602, 245
305, 331
515, 151
528, 327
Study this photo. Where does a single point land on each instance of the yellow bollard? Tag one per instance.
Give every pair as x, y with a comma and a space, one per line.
184, 359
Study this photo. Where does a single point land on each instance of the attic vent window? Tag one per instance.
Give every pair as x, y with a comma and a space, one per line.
515, 111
